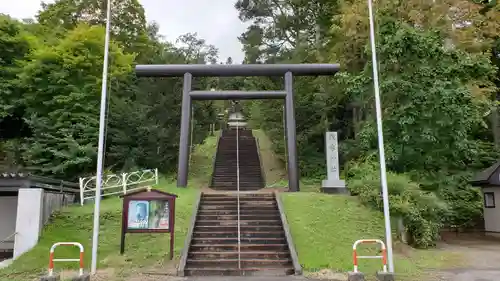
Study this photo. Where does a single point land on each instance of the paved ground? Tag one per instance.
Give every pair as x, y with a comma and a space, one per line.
483, 259
482, 255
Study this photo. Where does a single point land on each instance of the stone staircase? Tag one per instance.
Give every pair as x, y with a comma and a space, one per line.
214, 246
224, 176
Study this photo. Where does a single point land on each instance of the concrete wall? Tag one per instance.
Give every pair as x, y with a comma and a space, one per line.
33, 210
29, 219
8, 211
492, 215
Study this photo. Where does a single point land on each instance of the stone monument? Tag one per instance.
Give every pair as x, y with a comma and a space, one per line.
333, 184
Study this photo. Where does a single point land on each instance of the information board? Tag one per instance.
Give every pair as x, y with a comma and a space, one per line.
148, 214
148, 211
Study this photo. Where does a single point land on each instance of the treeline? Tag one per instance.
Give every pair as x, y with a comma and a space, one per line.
439, 78
50, 87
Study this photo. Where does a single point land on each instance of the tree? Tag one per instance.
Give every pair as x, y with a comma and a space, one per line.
62, 90
14, 46
127, 17
427, 88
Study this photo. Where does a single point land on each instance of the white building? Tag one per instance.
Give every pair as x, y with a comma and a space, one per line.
489, 181
26, 203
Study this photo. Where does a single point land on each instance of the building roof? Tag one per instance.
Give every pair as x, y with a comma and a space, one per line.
15, 181
488, 177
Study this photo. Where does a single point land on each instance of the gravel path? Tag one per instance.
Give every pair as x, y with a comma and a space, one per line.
483, 260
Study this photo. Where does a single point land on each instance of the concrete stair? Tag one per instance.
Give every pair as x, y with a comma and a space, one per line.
214, 245
224, 176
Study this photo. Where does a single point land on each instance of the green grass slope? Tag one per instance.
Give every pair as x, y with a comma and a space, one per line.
75, 223
324, 227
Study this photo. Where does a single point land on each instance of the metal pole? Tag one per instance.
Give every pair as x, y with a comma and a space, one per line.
238, 189
191, 136
291, 138
383, 176
284, 140
100, 148
182, 169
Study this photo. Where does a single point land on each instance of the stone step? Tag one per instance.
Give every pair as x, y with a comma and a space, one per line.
248, 177
242, 217
243, 188
234, 233
227, 164
235, 212
243, 240
233, 157
232, 263
230, 228
241, 195
232, 152
260, 271
256, 202
244, 175
243, 247
242, 207
235, 222
250, 201
234, 181
231, 198
243, 255
247, 147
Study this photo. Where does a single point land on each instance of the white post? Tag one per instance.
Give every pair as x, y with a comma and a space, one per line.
156, 176
81, 190
124, 183
383, 176
100, 148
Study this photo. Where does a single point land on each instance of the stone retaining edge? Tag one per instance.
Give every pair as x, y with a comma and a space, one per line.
189, 236
293, 253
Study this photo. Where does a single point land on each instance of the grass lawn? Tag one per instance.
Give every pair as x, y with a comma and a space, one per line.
274, 169
324, 227
75, 223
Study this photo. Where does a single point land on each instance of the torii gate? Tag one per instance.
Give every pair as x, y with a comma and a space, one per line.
234, 70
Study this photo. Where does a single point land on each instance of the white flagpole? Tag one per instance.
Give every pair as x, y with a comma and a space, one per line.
100, 149
383, 176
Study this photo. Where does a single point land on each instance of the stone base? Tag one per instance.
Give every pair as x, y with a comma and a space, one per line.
50, 278
84, 277
385, 276
355, 276
334, 187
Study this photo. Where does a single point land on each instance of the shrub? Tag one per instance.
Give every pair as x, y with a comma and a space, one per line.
420, 210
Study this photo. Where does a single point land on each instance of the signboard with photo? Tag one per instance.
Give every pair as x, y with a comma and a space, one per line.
154, 214
148, 211
138, 214
159, 214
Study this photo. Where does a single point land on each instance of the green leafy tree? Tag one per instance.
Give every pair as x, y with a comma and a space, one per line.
62, 90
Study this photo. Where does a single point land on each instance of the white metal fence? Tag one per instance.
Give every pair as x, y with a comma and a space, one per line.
117, 183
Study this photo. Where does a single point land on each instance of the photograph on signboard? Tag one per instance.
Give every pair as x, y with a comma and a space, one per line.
159, 214
138, 214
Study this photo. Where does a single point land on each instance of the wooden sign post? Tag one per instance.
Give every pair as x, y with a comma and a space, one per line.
148, 211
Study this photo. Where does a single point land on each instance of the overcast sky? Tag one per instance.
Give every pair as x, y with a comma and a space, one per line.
214, 20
